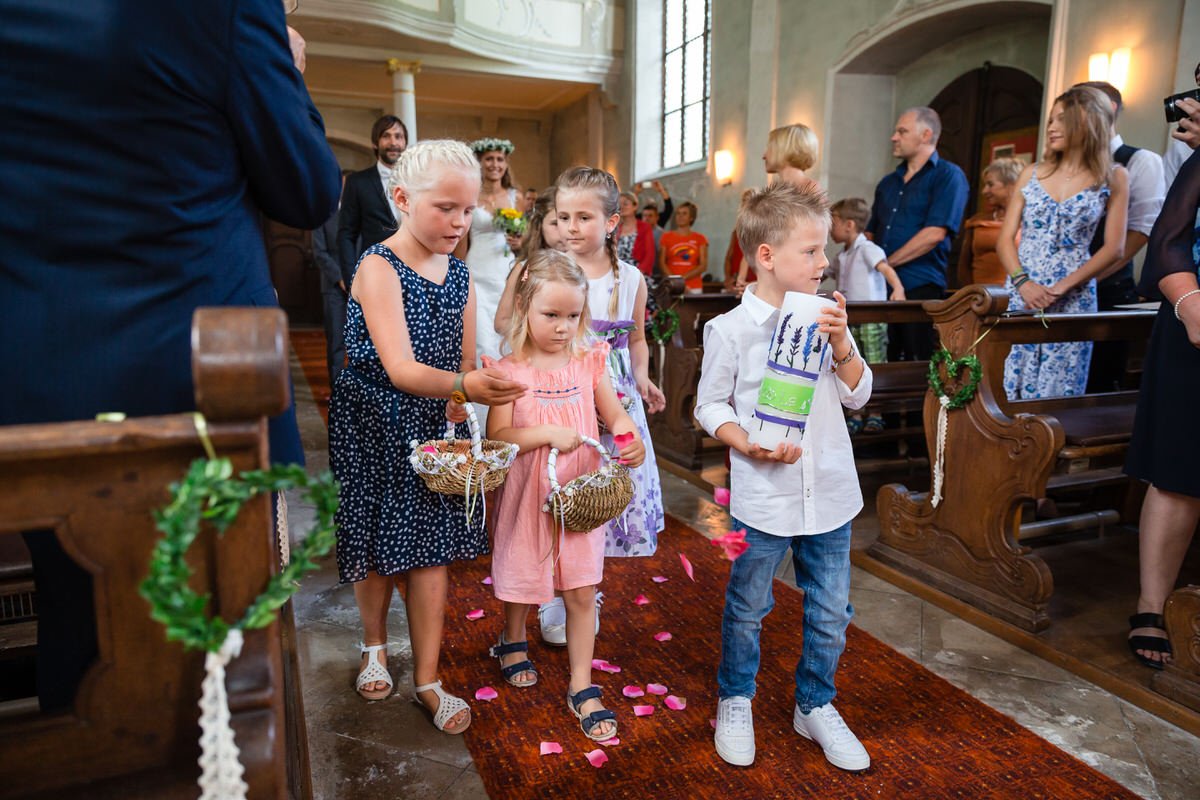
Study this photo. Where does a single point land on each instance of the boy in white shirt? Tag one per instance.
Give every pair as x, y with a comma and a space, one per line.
798, 497
862, 274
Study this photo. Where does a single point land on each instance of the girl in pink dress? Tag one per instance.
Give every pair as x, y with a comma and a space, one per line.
531, 558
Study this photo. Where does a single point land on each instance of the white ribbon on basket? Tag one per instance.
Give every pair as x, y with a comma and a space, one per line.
220, 769
442, 462
600, 477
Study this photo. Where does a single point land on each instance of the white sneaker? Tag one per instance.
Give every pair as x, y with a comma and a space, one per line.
735, 731
552, 619
824, 725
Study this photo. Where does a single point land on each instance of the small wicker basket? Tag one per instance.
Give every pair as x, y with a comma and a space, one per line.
592, 499
461, 466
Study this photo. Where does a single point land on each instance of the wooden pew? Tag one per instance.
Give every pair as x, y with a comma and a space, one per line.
676, 434
133, 730
1001, 454
1180, 680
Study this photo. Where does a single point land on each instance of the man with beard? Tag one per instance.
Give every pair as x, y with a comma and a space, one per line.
368, 216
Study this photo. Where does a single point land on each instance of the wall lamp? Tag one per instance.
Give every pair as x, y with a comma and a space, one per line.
1112, 67
723, 166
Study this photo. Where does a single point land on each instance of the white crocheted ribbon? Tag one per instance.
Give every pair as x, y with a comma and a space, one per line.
939, 461
281, 529
220, 769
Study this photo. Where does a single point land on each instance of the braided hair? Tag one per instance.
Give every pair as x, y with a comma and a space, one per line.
605, 187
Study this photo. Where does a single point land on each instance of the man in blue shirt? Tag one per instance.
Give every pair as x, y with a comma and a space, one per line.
918, 209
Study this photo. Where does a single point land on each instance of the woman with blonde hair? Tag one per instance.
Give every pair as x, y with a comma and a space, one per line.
791, 151
978, 261
1056, 206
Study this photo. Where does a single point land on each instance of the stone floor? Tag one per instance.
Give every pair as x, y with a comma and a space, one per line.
389, 749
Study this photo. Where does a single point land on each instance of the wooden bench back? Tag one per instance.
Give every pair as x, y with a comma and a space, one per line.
134, 727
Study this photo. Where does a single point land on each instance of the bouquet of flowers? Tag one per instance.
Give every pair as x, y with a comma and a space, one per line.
510, 222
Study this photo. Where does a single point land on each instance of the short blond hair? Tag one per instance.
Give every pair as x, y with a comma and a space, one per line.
768, 215
792, 146
421, 164
543, 267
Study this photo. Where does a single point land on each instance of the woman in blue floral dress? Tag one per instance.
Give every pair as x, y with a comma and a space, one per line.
1058, 204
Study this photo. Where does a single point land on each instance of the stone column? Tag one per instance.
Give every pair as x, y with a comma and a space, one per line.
404, 97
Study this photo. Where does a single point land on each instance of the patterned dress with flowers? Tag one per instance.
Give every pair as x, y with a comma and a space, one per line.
1054, 243
636, 532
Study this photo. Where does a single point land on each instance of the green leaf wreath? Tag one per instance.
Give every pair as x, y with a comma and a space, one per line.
209, 492
663, 325
953, 367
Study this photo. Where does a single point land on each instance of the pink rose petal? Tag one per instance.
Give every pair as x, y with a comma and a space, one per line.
623, 439
712, 723
656, 688
676, 703
611, 742
429, 449
597, 758
687, 566
610, 668
660, 579
547, 748
598, 663
487, 581
643, 711
721, 496
475, 614
662, 636
641, 600
632, 691
485, 693
733, 543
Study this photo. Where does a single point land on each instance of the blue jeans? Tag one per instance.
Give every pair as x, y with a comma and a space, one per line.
822, 564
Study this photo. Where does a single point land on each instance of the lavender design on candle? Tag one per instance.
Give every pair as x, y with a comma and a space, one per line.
808, 342
795, 346
782, 333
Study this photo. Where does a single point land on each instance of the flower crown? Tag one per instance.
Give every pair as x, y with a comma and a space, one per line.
490, 143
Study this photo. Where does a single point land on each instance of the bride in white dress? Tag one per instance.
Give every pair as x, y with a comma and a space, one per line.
489, 254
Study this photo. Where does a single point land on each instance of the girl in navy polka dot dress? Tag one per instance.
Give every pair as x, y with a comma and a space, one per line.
410, 338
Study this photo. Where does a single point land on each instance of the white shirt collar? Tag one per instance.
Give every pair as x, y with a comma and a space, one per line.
1115, 142
761, 312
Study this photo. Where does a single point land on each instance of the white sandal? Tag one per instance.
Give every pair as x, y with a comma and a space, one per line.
373, 673
448, 706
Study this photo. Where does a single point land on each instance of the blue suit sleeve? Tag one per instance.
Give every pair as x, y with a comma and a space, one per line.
291, 171
948, 200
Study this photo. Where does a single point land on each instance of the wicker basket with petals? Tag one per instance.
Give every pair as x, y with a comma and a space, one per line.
466, 467
594, 498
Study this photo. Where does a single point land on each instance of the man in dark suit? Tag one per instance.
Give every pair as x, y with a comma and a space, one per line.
141, 143
335, 288
367, 215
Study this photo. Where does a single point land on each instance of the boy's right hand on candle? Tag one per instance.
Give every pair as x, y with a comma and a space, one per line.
784, 453
491, 385
562, 438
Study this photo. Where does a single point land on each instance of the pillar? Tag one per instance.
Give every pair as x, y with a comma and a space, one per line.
404, 97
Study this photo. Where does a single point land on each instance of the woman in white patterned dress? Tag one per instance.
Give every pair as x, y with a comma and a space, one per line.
1058, 202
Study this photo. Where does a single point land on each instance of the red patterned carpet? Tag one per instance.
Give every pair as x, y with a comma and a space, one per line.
927, 739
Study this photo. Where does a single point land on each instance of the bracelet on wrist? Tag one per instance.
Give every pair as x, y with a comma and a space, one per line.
459, 393
1179, 301
841, 362
1020, 280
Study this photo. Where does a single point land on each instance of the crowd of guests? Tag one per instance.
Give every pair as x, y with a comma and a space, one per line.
445, 305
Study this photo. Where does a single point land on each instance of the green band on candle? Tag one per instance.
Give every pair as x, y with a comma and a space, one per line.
784, 396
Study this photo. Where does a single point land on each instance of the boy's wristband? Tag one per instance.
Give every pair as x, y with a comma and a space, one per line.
841, 362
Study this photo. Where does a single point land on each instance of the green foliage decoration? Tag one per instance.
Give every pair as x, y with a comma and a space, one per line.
209, 493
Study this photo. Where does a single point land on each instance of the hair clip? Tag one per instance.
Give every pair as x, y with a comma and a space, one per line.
525, 273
